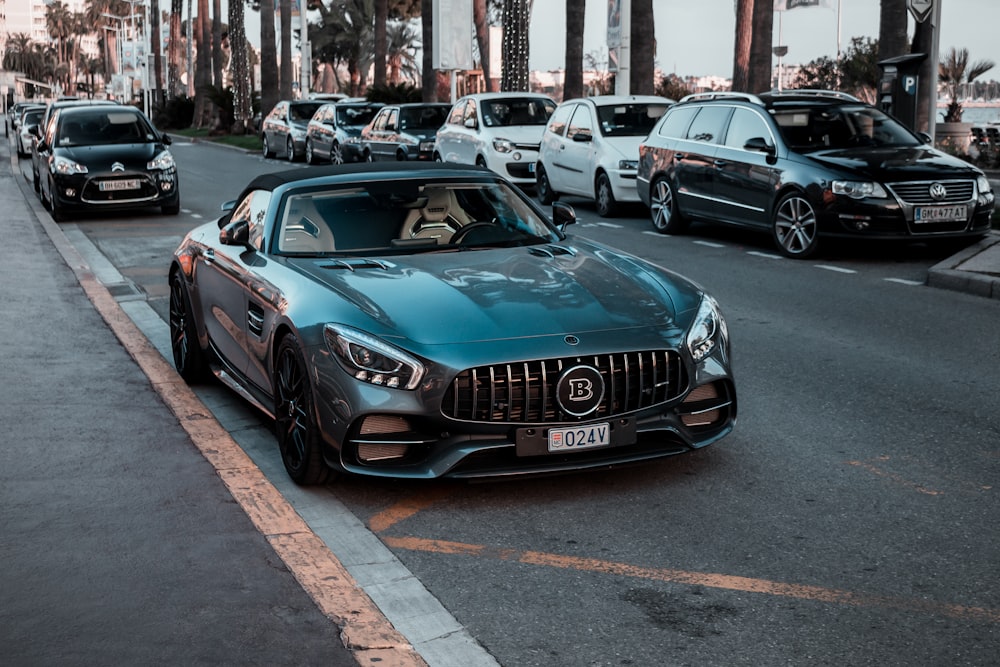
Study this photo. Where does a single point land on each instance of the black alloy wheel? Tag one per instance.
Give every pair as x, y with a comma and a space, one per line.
543, 186
189, 359
604, 196
295, 419
667, 219
795, 228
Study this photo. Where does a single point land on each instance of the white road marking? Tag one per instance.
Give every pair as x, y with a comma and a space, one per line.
765, 255
608, 224
902, 281
838, 269
709, 244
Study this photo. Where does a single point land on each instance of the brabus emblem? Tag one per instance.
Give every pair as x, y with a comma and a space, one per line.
580, 390
117, 166
938, 191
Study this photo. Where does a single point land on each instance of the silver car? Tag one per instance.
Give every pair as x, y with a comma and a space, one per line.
283, 131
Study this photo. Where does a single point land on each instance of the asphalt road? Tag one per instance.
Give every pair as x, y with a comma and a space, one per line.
849, 519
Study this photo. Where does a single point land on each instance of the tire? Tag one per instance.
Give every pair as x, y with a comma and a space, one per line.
265, 146
604, 197
543, 186
666, 217
794, 227
369, 157
57, 212
295, 417
189, 359
310, 153
36, 182
336, 153
290, 149
437, 157
400, 156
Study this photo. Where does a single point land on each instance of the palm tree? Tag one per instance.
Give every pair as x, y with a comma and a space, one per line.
481, 21
642, 49
744, 38
285, 61
575, 15
175, 46
401, 52
21, 55
381, 41
955, 71
760, 47
892, 29
428, 78
268, 58
240, 70
515, 18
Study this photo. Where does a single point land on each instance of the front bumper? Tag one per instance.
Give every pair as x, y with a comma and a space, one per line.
108, 191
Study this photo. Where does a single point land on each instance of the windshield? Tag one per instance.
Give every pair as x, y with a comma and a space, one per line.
303, 110
107, 126
517, 111
422, 118
845, 126
403, 217
359, 116
629, 120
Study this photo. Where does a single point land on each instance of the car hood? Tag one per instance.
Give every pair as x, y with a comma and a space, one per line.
100, 158
520, 134
494, 294
893, 164
622, 148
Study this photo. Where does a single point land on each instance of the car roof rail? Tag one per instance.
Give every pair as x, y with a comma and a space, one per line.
721, 95
815, 92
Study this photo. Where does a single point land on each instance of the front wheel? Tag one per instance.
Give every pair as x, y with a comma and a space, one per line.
795, 229
311, 153
265, 147
667, 218
336, 153
295, 417
604, 196
290, 149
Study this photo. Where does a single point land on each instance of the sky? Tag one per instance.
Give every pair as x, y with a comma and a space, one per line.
695, 37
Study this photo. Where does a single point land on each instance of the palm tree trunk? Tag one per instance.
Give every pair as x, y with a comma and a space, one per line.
760, 46
203, 72
285, 74
744, 38
239, 70
174, 53
575, 15
154, 34
217, 63
642, 49
428, 77
381, 45
481, 21
268, 58
516, 17
892, 29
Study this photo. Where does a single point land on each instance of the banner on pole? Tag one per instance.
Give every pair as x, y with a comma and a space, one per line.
785, 5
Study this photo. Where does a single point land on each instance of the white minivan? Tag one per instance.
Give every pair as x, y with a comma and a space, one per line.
501, 131
591, 148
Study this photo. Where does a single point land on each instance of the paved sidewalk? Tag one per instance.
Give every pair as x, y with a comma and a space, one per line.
120, 544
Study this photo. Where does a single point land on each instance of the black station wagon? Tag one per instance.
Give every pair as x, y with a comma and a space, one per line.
805, 165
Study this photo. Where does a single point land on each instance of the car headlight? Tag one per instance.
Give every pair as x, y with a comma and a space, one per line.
68, 167
859, 189
162, 161
503, 145
353, 140
708, 331
372, 360
298, 132
983, 184
628, 164
427, 146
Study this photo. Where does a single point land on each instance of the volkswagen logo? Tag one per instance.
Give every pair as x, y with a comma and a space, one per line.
117, 166
938, 192
580, 390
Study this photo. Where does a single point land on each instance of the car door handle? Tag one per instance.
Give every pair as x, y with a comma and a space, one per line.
721, 163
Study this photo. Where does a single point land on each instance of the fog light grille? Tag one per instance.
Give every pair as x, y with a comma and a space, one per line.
702, 407
380, 451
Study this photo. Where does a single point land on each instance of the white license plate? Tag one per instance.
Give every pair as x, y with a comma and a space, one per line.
579, 437
940, 213
125, 184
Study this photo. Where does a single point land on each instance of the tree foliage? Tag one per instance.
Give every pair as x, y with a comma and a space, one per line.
855, 72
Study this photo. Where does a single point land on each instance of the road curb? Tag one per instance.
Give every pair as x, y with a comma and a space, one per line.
947, 275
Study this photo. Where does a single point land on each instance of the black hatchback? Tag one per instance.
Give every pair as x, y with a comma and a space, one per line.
806, 165
105, 157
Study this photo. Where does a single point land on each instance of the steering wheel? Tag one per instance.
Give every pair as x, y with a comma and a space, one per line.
464, 231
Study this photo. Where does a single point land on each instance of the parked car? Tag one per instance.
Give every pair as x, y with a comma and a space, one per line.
403, 132
590, 148
43, 128
14, 114
99, 158
283, 130
27, 128
334, 133
805, 165
379, 348
500, 131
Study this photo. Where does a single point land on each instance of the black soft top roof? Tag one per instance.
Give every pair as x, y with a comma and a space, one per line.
277, 179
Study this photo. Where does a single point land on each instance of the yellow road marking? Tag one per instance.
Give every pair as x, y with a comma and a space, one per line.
706, 579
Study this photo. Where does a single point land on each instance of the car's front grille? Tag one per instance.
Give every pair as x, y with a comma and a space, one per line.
525, 392
918, 193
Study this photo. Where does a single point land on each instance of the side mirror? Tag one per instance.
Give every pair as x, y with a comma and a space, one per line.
760, 145
236, 232
42, 146
165, 139
563, 214
470, 123
926, 138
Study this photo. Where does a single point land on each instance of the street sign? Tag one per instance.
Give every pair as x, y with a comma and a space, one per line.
920, 9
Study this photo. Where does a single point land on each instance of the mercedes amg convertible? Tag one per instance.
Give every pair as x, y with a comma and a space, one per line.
429, 320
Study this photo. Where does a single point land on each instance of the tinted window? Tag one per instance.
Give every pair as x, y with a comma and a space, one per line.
457, 114
303, 110
422, 118
559, 120
582, 123
844, 126
709, 124
746, 125
676, 122
629, 120
516, 111
357, 115
114, 126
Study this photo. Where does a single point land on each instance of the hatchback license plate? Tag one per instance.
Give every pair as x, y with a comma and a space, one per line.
940, 213
125, 184
579, 437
